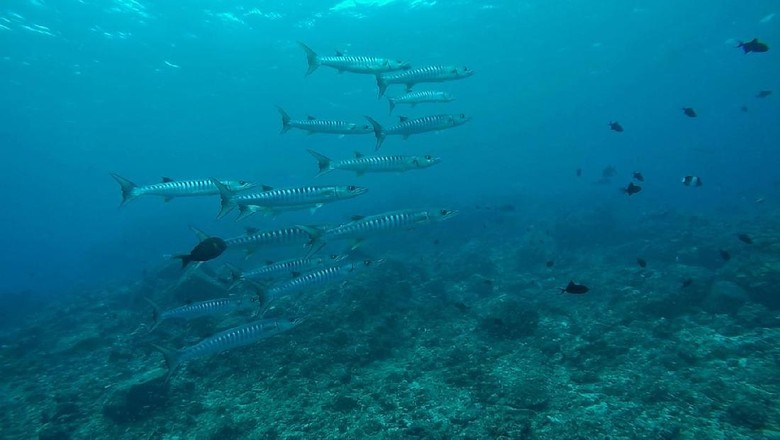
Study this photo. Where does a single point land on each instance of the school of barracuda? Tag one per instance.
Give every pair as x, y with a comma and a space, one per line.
309, 270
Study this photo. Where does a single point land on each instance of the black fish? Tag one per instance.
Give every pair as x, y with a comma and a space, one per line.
744, 108
763, 93
615, 126
638, 176
577, 289
632, 189
579, 172
753, 46
206, 250
725, 255
686, 282
641, 262
550, 263
689, 112
745, 238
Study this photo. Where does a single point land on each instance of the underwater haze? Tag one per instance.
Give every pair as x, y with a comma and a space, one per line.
626, 148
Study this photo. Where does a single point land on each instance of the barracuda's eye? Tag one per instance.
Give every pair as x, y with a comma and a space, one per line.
242, 182
428, 157
444, 212
351, 188
462, 116
367, 262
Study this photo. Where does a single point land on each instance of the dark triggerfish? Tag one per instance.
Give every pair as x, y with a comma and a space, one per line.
208, 249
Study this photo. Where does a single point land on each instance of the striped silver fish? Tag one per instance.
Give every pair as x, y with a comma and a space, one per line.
364, 227
270, 200
426, 74
423, 96
253, 239
226, 340
209, 307
313, 125
292, 267
317, 277
170, 188
374, 164
356, 64
407, 127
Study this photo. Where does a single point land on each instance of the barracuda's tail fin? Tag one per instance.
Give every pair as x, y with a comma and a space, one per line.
285, 120
379, 132
156, 310
129, 189
381, 84
391, 102
226, 196
323, 162
311, 58
172, 359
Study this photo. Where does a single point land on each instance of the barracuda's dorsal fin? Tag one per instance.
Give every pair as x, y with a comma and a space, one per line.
251, 230
355, 218
403, 118
199, 233
166, 179
310, 117
339, 53
267, 188
358, 154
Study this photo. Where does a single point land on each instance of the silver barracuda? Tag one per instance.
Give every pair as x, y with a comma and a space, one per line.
313, 125
253, 239
194, 310
423, 96
226, 340
417, 75
407, 127
355, 64
362, 228
317, 277
361, 164
170, 189
293, 267
271, 200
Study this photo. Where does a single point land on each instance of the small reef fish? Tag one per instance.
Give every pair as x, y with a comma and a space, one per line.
169, 188
208, 249
576, 289
691, 181
632, 189
313, 125
763, 93
745, 238
373, 164
271, 200
209, 307
641, 262
689, 112
753, 46
418, 75
579, 172
638, 176
407, 127
615, 126
423, 96
724, 254
361, 228
226, 340
355, 64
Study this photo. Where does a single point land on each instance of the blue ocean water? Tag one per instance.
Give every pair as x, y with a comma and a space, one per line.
188, 90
